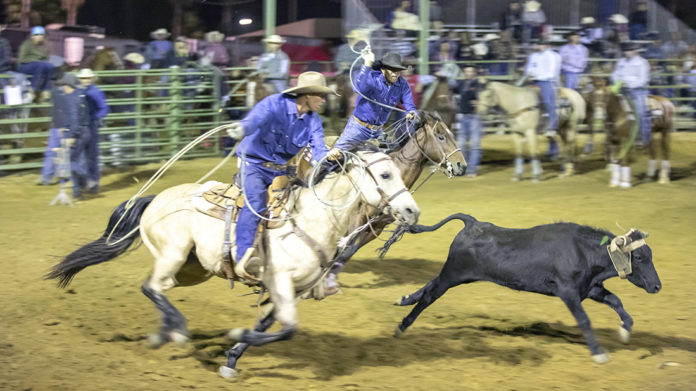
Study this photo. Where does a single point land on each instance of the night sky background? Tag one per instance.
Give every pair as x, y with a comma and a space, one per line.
137, 18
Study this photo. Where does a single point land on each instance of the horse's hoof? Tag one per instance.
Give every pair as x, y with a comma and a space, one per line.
155, 341
613, 184
515, 178
398, 332
624, 335
227, 372
601, 358
625, 185
178, 338
663, 181
236, 334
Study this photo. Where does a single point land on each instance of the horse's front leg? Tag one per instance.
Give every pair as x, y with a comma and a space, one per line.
282, 292
235, 353
665, 167
519, 159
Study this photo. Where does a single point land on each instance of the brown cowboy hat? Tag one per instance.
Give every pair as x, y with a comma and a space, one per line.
310, 83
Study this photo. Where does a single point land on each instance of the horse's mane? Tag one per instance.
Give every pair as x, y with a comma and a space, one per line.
329, 168
400, 140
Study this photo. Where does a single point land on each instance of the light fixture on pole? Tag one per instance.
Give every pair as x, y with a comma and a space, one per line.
245, 21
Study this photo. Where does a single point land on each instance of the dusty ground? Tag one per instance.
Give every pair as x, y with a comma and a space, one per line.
479, 336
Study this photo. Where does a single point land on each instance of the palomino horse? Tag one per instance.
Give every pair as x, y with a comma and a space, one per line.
431, 143
622, 130
187, 245
522, 107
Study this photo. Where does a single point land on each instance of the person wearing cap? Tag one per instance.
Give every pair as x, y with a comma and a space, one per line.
274, 131
590, 34
33, 60
159, 49
632, 75
69, 121
544, 68
573, 60
97, 109
377, 82
274, 64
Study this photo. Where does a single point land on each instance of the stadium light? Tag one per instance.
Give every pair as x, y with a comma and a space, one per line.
245, 21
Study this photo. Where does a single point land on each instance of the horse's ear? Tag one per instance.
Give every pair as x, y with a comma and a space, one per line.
483, 81
437, 115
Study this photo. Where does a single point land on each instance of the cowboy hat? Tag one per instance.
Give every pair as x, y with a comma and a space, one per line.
85, 73
392, 60
135, 58
68, 79
275, 38
480, 49
310, 83
532, 6
587, 20
491, 37
158, 32
629, 46
618, 19
214, 36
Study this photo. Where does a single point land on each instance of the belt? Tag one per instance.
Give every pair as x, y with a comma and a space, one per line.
275, 166
365, 124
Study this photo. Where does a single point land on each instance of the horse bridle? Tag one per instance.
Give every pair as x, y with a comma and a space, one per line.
445, 156
386, 198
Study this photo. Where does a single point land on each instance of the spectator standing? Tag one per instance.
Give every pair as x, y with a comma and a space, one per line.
5, 54
159, 49
33, 60
400, 18
97, 109
654, 49
511, 20
675, 47
435, 15
632, 73
543, 67
638, 21
274, 64
402, 46
573, 60
591, 35
345, 56
470, 128
215, 50
533, 19
69, 121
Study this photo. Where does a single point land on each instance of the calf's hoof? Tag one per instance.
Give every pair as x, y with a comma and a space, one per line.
601, 358
155, 341
624, 335
236, 334
227, 372
398, 332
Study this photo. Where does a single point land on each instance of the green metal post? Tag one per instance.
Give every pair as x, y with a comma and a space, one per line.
217, 107
175, 110
138, 115
424, 13
269, 16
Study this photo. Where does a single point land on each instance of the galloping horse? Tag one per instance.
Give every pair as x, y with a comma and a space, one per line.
431, 143
187, 245
522, 107
622, 128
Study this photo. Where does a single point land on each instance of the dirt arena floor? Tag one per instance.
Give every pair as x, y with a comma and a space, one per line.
476, 337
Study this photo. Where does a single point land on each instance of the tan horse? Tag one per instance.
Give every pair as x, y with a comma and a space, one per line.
622, 130
523, 110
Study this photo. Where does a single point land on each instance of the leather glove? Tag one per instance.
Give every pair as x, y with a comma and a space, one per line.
368, 56
411, 115
334, 154
235, 131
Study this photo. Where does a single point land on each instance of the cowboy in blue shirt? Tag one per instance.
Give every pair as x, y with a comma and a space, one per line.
274, 131
384, 85
98, 109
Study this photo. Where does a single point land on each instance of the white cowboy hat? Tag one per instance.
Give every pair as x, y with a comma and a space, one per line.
159, 32
310, 83
491, 37
480, 49
275, 38
85, 73
618, 19
532, 6
135, 58
214, 36
587, 20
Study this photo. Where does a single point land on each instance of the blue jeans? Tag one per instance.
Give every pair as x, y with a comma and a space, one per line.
355, 134
40, 74
639, 97
469, 140
255, 181
279, 84
572, 79
92, 154
548, 97
78, 169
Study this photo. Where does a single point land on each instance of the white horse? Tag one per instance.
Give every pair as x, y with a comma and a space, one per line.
187, 244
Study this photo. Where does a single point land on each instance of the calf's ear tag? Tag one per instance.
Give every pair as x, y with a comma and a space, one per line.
604, 241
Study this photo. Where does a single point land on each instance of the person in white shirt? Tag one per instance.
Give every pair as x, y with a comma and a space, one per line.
275, 64
632, 74
544, 68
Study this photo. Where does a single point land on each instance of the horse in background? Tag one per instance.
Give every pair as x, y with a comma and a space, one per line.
340, 108
622, 129
523, 110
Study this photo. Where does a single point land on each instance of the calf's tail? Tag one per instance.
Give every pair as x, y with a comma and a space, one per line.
417, 228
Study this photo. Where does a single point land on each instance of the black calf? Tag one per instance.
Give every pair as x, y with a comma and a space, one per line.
561, 259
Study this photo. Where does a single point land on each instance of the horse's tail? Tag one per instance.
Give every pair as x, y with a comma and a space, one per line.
417, 228
99, 250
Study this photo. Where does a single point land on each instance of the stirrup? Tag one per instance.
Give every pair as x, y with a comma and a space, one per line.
250, 267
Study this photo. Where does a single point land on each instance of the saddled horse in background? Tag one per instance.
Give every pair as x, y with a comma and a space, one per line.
438, 97
622, 131
187, 244
524, 112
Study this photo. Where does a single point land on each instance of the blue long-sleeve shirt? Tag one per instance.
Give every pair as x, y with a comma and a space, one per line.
373, 85
69, 111
96, 103
274, 132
